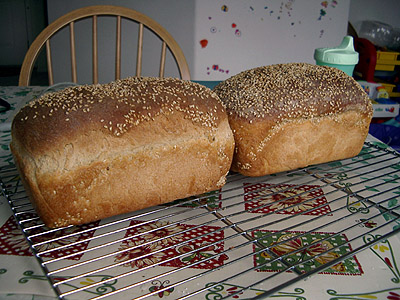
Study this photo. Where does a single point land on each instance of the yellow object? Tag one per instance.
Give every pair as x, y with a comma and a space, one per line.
384, 67
389, 88
386, 61
385, 55
382, 93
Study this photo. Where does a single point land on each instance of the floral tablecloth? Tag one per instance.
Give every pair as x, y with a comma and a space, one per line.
373, 274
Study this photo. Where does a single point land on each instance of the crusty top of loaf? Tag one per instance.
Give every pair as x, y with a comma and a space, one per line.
290, 91
113, 108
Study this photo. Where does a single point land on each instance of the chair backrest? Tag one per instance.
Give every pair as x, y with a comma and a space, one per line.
43, 39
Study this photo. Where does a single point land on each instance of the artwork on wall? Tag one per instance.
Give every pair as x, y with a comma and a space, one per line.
234, 36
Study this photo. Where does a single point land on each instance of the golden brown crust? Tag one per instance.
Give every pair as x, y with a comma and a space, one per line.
169, 139
299, 143
112, 108
288, 116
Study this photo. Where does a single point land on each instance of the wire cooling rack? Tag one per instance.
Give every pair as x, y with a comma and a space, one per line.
257, 235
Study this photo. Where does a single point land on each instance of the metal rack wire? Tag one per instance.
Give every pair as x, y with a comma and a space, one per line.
279, 229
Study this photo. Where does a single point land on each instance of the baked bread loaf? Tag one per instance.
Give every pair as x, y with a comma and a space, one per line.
288, 116
94, 151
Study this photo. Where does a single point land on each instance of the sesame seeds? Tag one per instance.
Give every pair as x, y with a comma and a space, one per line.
289, 91
120, 105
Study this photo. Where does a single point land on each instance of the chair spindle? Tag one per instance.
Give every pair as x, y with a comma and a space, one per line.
139, 51
162, 62
118, 50
49, 63
94, 45
73, 52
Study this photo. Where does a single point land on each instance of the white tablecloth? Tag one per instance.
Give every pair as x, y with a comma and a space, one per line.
21, 277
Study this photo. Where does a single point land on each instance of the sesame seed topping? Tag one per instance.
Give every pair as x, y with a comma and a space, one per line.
118, 106
290, 91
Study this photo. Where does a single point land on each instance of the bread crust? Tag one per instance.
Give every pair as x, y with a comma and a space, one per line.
293, 115
115, 148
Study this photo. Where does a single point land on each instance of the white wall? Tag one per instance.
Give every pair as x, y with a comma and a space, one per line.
246, 34
266, 32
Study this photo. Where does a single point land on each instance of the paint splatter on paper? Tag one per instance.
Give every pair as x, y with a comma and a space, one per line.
234, 24
326, 5
204, 43
216, 68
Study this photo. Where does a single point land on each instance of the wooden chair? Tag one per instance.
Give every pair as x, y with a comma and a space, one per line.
94, 12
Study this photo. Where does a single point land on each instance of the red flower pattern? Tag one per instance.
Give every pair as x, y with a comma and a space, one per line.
147, 240
285, 199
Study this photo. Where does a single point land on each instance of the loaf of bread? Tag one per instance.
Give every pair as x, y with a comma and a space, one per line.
94, 151
288, 116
